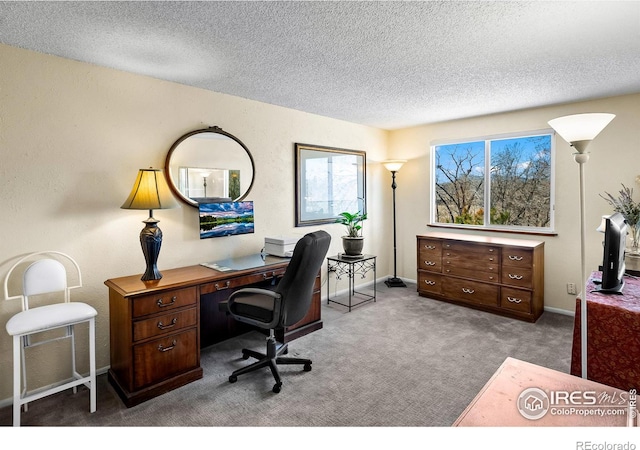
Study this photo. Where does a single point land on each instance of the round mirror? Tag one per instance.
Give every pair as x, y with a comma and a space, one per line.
209, 165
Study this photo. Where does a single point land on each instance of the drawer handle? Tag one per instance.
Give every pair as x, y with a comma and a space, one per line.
448, 245
514, 299
490, 250
172, 324
491, 278
267, 277
490, 259
430, 283
430, 247
162, 348
429, 263
448, 254
468, 291
515, 277
515, 258
222, 288
162, 305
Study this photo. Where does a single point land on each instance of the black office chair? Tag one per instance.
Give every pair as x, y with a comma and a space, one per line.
282, 307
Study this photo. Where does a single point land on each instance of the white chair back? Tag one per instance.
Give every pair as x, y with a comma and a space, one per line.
43, 276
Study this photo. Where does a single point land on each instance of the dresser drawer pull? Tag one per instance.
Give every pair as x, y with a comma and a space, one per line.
515, 258
430, 283
429, 263
468, 291
448, 245
172, 324
491, 278
222, 288
430, 247
514, 300
162, 348
515, 277
490, 259
162, 305
267, 277
490, 250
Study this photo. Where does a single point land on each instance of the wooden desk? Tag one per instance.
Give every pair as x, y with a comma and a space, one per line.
613, 336
158, 327
496, 405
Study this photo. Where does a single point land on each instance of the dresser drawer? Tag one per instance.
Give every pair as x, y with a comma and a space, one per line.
490, 275
430, 255
164, 324
516, 276
165, 301
480, 261
162, 358
471, 291
517, 257
470, 249
515, 299
429, 282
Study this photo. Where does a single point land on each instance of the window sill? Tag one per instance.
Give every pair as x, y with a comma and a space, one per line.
493, 229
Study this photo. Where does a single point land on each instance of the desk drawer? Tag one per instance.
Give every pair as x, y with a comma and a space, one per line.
164, 357
162, 302
240, 282
167, 323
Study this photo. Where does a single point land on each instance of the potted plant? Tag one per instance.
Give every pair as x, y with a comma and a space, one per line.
353, 242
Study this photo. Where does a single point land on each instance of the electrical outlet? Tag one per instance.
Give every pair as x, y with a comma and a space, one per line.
571, 288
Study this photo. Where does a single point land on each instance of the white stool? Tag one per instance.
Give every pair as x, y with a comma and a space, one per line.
48, 275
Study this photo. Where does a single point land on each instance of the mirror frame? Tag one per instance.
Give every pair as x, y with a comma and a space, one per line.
328, 152
213, 129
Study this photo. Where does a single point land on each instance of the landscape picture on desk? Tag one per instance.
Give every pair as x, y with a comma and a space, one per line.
225, 219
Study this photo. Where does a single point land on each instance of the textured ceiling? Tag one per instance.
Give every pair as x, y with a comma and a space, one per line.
385, 64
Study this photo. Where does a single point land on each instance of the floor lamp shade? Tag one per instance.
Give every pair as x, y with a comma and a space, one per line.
393, 166
150, 191
579, 130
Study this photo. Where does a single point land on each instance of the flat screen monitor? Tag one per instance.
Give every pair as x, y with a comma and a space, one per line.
613, 265
225, 219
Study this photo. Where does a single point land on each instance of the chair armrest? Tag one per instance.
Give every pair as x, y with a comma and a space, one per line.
277, 299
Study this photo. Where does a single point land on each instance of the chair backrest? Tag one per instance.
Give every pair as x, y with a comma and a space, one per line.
43, 276
296, 286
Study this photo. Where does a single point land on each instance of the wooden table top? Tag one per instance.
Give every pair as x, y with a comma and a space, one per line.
522, 394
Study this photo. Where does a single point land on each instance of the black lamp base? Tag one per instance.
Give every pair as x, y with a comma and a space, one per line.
151, 240
395, 282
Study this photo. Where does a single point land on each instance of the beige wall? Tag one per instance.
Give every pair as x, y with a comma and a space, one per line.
72, 138
613, 160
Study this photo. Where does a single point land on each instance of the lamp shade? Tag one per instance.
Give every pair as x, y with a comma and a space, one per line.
150, 191
581, 127
394, 165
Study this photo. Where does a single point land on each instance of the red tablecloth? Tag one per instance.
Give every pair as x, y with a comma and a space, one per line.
613, 336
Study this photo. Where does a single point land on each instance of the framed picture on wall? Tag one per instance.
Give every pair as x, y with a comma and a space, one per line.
328, 181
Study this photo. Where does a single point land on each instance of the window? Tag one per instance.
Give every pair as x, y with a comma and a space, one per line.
498, 182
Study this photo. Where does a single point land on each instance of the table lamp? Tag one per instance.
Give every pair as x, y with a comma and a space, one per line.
150, 191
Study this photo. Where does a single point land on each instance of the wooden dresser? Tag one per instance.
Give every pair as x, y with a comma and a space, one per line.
504, 276
158, 327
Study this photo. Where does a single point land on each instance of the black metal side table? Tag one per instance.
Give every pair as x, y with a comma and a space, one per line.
351, 266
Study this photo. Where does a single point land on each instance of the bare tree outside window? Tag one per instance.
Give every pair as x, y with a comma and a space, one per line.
495, 182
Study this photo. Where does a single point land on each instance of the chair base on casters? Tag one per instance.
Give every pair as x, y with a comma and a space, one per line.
271, 360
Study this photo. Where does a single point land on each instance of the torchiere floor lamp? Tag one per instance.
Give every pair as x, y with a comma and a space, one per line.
393, 166
579, 130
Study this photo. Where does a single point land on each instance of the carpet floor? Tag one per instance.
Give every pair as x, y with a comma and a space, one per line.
404, 360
